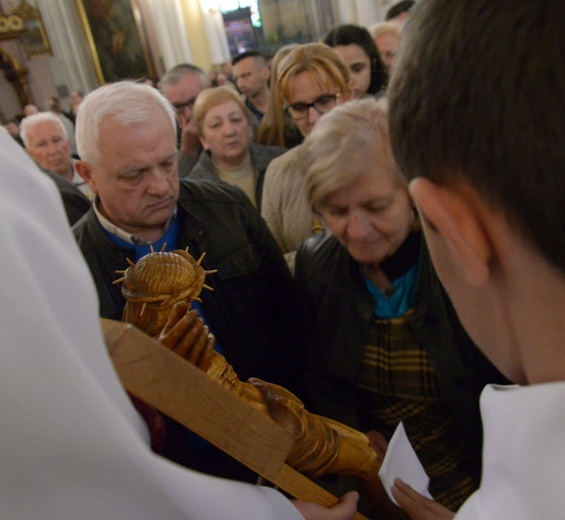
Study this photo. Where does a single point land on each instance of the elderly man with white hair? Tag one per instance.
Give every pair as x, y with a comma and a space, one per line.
72, 444
47, 141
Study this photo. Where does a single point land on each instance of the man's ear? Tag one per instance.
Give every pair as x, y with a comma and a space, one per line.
454, 215
84, 169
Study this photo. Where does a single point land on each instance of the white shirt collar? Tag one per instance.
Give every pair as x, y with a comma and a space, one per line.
121, 233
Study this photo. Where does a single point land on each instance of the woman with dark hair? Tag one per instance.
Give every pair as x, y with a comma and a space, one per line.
357, 47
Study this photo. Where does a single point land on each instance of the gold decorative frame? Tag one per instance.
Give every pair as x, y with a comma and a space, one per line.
10, 26
116, 38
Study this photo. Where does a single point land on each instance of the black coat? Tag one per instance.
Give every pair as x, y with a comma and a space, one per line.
338, 311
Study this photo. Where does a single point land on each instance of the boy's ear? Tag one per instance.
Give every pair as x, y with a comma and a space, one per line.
454, 215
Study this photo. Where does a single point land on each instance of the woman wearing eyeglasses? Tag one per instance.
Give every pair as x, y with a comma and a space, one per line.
276, 128
313, 80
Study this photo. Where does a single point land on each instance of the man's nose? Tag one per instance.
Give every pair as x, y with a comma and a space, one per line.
159, 182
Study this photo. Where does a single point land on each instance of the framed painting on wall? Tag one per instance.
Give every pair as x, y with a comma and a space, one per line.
33, 36
116, 37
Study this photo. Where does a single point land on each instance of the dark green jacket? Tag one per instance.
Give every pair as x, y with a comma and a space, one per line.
252, 310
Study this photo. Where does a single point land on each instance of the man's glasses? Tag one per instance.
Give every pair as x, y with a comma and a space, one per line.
180, 107
322, 105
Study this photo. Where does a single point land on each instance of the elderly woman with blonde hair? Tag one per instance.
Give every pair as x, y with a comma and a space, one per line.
314, 79
224, 128
387, 36
384, 343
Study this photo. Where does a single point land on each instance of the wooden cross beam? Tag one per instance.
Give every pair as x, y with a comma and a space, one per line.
164, 380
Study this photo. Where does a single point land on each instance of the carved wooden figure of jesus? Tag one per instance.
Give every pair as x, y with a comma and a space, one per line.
159, 289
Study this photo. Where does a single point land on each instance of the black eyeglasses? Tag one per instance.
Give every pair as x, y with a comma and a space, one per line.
180, 107
322, 105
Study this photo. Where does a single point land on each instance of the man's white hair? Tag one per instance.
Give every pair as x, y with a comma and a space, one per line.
30, 122
125, 102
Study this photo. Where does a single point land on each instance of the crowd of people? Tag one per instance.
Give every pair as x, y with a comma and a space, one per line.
379, 217
251, 78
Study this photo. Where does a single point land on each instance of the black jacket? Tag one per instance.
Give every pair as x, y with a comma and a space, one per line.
252, 310
338, 311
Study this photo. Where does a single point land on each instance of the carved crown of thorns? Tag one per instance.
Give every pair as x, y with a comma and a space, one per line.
163, 278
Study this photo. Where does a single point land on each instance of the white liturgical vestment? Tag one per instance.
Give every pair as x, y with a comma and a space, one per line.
71, 444
523, 455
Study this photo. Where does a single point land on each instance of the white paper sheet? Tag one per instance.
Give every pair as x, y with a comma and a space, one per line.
402, 462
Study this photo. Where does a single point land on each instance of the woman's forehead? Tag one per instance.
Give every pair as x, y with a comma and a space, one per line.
309, 82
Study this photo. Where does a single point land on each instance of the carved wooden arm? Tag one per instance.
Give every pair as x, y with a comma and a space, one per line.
158, 290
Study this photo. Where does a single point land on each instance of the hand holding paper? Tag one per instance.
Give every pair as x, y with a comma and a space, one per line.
402, 462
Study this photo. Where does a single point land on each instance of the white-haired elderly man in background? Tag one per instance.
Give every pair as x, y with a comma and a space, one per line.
47, 141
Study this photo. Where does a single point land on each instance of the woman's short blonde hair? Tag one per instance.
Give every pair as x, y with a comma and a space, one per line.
325, 62
344, 145
212, 97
